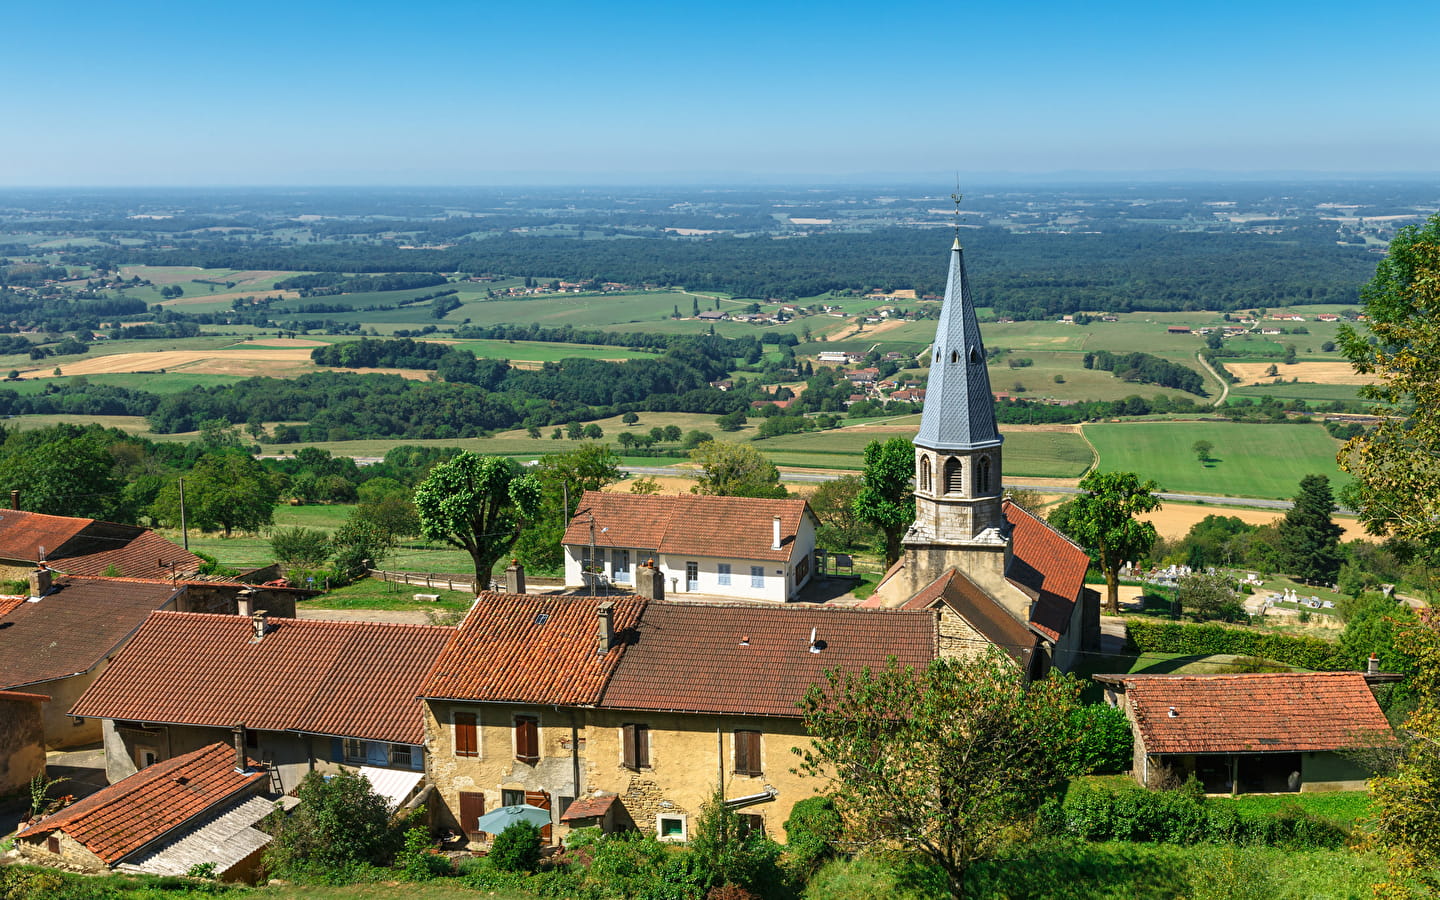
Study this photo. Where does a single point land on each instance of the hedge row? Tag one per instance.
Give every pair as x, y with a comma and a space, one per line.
1160, 636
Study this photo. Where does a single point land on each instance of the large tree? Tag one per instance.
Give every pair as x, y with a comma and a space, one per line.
563, 476
947, 761
1102, 520
478, 504
228, 489
886, 499
67, 476
1397, 463
729, 469
1309, 538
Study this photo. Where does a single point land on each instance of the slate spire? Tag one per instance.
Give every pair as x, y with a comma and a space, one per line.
959, 408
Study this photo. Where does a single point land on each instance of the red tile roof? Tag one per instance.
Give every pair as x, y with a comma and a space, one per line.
523, 648
717, 527
21, 695
964, 597
588, 808
9, 603
351, 679
1047, 566
73, 628
1288, 712
90, 547
751, 659
127, 815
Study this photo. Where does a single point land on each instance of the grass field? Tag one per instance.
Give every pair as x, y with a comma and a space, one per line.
1252, 460
539, 351
169, 383
1043, 454
1310, 392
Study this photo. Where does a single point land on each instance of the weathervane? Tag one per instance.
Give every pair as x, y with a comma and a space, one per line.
957, 196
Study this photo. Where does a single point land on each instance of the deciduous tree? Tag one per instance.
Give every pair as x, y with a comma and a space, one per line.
946, 761
589, 467
1102, 520
226, 489
886, 500
478, 504
735, 470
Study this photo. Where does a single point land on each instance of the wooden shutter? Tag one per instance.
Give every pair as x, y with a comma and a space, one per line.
466, 737
472, 807
635, 740
542, 800
527, 739
627, 742
747, 753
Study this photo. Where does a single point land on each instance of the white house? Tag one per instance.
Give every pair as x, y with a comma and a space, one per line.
735, 547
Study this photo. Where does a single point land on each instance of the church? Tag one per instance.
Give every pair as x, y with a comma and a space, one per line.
997, 573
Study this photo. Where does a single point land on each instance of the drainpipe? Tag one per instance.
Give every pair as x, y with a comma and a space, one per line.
720, 757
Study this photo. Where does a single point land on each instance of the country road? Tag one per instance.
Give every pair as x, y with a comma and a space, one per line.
1224, 382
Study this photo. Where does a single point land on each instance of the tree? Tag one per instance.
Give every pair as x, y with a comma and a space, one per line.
834, 505
735, 470
1397, 480
1102, 520
1289, 357
226, 489
359, 545
340, 824
479, 504
1203, 449
886, 500
589, 467
593, 432
300, 548
947, 761
630, 418
63, 476
1208, 596
1309, 538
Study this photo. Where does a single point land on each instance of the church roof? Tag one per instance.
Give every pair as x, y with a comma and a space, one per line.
959, 408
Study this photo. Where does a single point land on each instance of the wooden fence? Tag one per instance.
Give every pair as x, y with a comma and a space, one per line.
446, 582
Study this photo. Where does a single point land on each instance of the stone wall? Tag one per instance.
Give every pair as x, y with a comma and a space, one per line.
73, 855
22, 742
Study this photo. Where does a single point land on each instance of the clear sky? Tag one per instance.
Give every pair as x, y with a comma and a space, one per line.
100, 92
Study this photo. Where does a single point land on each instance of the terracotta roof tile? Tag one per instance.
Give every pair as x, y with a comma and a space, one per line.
9, 603
588, 808
72, 628
750, 659
1286, 712
127, 815
351, 679
733, 527
90, 547
967, 599
1047, 566
524, 648
21, 695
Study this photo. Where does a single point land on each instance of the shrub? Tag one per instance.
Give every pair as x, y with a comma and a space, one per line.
340, 830
811, 832
517, 848
416, 861
727, 853
1151, 636
1106, 742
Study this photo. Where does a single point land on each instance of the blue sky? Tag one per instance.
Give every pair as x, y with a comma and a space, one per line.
150, 93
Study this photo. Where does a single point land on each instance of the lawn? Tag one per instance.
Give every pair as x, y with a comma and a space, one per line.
1251, 460
369, 593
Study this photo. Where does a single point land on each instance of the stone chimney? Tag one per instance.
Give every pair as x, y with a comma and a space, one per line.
237, 735
775, 539
257, 626
243, 601
606, 614
14, 499
1372, 665
649, 581
514, 578
40, 581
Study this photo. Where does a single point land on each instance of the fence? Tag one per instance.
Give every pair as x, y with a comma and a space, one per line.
428, 579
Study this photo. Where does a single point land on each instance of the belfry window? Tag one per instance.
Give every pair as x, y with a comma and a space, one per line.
924, 473
974, 355
982, 475
954, 477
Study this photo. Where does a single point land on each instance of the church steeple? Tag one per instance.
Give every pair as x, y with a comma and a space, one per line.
959, 408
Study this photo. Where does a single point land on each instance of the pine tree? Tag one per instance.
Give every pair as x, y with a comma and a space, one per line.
1309, 538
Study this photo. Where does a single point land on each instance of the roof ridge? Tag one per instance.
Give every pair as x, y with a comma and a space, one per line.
1057, 532
193, 616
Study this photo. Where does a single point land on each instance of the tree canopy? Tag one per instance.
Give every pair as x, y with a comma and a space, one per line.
886, 500
228, 489
1102, 520
478, 504
729, 469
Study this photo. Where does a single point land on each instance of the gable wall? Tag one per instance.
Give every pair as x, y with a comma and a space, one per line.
22, 744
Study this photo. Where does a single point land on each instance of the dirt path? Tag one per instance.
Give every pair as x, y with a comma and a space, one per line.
1224, 383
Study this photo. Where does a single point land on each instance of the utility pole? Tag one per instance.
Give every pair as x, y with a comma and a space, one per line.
184, 532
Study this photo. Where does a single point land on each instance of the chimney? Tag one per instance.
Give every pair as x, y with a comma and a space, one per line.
14, 499
1372, 666
40, 582
243, 600
257, 626
606, 613
649, 581
514, 578
1173, 713
775, 543
237, 735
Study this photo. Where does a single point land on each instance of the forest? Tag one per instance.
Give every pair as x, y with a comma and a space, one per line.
1149, 369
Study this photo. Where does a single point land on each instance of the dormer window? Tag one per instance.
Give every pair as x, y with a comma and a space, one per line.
974, 356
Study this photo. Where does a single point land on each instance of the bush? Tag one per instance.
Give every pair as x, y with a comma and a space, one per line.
811, 832
1151, 636
338, 833
517, 848
416, 861
1106, 742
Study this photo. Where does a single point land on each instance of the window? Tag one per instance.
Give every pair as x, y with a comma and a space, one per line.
692, 576
467, 737
757, 576
751, 824
52, 843
635, 746
954, 477
472, 807
400, 755
527, 739
982, 475
356, 751
512, 798
670, 828
747, 753
565, 803
802, 570
724, 573
924, 473
622, 565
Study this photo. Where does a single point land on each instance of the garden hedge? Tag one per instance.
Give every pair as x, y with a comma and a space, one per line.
1158, 636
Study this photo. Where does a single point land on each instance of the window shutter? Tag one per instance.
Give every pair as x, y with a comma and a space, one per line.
466, 738
542, 800
747, 753
642, 746
527, 739
472, 807
627, 738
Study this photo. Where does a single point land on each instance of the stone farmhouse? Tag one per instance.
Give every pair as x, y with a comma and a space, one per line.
997, 573
723, 547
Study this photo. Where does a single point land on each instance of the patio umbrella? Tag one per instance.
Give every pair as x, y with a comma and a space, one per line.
498, 820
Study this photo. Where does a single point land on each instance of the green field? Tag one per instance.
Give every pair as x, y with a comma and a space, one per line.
1308, 391
1042, 454
169, 383
1251, 460
540, 351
